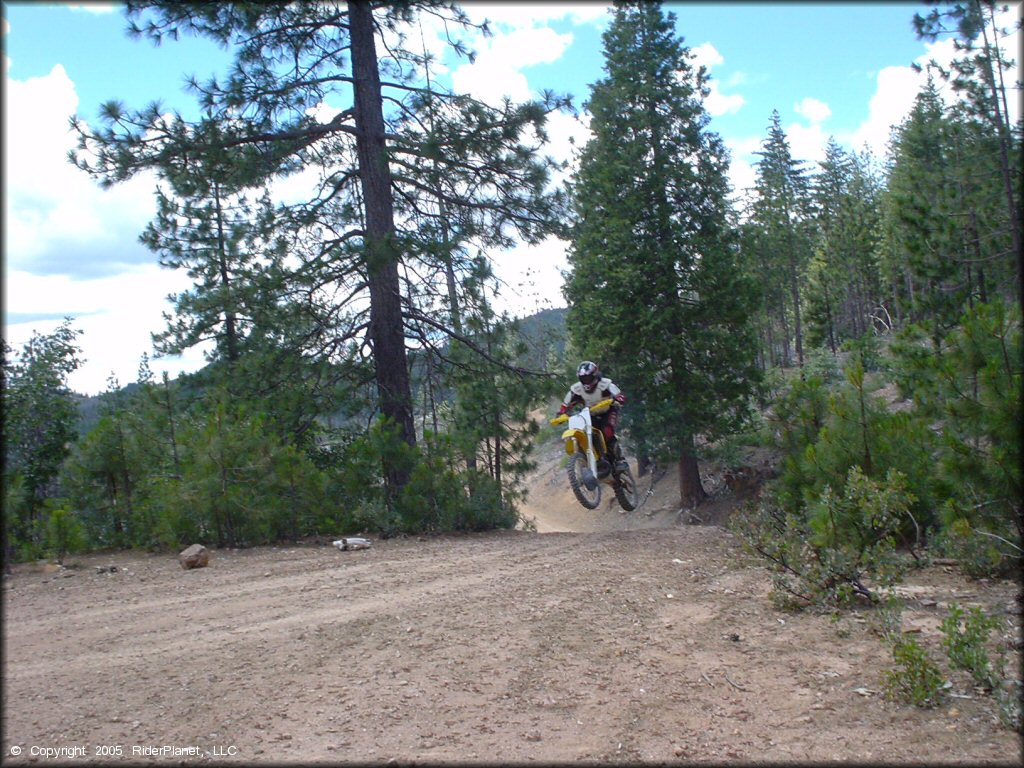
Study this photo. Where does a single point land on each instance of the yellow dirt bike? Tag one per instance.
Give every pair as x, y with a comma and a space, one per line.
590, 466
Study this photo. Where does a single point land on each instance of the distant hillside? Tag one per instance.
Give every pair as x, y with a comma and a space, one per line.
543, 333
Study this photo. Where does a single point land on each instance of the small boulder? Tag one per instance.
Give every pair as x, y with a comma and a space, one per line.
352, 542
196, 556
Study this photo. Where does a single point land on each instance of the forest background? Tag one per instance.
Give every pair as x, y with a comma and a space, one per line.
360, 379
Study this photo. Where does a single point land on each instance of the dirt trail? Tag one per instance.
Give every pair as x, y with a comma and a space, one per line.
600, 637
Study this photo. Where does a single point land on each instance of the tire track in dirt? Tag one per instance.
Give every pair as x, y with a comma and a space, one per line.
636, 646
382, 585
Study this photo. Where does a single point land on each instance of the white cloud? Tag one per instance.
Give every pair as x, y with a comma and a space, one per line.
65, 238
496, 73
97, 8
520, 15
812, 109
531, 277
520, 38
807, 143
716, 103
50, 205
897, 88
567, 135
706, 55
115, 314
894, 96
741, 162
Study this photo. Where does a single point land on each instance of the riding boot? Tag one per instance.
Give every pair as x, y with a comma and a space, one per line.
617, 459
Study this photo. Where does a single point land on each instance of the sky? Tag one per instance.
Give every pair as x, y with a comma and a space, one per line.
839, 69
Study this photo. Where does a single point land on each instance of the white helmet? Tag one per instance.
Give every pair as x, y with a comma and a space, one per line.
589, 375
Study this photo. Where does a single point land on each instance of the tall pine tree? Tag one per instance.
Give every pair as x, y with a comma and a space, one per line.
358, 234
843, 296
980, 77
781, 209
654, 290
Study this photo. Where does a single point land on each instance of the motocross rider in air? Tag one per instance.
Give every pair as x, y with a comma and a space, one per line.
590, 389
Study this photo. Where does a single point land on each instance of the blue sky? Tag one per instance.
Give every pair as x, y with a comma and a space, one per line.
830, 69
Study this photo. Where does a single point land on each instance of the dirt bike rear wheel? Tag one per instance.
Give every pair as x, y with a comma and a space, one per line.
625, 490
589, 499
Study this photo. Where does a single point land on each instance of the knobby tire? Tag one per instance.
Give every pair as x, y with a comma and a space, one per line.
589, 499
626, 492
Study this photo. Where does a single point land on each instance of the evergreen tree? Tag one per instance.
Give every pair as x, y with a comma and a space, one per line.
221, 241
842, 277
104, 470
39, 419
945, 227
781, 208
361, 232
654, 290
980, 78
921, 209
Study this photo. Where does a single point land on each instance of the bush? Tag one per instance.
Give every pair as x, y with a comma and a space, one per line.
916, 679
970, 388
829, 433
826, 553
441, 494
980, 554
964, 636
64, 533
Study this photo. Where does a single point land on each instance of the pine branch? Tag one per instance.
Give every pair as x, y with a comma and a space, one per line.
517, 370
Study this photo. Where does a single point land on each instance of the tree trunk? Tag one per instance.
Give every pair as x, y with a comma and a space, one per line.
1003, 127
230, 329
386, 318
691, 492
830, 322
794, 288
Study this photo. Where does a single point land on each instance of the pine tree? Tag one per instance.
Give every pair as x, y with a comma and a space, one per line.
39, 419
945, 224
654, 290
361, 236
225, 245
843, 290
781, 209
980, 77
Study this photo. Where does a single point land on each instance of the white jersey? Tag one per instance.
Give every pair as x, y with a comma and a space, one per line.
605, 388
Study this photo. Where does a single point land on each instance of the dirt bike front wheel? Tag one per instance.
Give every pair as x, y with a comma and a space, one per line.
590, 499
625, 490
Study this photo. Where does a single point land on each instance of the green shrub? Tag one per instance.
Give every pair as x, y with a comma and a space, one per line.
441, 493
376, 516
980, 554
64, 533
970, 388
444, 496
916, 679
827, 433
828, 553
965, 638
964, 635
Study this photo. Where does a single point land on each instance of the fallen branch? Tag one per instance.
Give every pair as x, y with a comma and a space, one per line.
994, 536
730, 682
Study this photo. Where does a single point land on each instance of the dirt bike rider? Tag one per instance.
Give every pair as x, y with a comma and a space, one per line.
590, 389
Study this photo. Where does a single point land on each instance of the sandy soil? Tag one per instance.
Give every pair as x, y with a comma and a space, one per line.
600, 637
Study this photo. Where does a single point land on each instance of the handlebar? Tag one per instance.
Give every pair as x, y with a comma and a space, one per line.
598, 406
